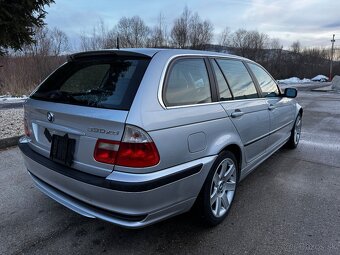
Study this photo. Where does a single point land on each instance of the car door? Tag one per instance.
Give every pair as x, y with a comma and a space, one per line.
239, 97
281, 109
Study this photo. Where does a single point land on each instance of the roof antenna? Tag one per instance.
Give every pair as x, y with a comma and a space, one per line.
117, 43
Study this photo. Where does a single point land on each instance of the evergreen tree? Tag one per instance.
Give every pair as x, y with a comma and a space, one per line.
17, 20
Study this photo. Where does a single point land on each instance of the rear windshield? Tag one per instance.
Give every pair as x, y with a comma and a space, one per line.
104, 83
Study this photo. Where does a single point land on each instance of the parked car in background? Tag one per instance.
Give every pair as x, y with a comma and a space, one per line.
136, 136
320, 78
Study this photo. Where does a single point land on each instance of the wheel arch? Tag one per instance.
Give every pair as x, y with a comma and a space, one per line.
299, 110
237, 151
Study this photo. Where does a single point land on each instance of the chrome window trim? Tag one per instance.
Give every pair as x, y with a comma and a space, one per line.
162, 80
212, 103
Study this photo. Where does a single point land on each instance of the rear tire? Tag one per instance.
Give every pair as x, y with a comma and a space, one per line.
295, 133
219, 189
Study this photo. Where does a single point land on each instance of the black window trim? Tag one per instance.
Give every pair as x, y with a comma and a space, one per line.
212, 81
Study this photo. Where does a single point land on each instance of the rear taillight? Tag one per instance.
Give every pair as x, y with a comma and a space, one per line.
135, 150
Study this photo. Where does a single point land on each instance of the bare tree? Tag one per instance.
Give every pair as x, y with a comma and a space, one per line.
313, 61
41, 45
250, 44
275, 44
224, 38
296, 47
59, 42
180, 29
200, 32
96, 39
257, 41
274, 57
158, 35
132, 32
207, 32
47, 43
110, 41
190, 31
238, 41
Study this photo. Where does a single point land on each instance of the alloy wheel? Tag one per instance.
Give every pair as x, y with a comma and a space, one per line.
223, 186
297, 130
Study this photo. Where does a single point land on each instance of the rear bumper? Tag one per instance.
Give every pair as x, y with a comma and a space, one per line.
129, 200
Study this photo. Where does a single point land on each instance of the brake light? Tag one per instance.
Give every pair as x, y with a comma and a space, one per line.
136, 149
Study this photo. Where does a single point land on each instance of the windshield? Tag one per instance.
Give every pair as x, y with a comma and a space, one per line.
105, 83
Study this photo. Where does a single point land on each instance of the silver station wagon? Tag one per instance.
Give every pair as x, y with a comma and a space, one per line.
136, 136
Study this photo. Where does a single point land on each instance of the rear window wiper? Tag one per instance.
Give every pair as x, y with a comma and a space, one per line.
62, 97
92, 92
98, 91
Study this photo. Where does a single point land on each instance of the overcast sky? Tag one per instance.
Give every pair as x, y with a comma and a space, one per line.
312, 22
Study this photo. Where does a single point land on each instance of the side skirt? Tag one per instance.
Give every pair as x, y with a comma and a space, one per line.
256, 162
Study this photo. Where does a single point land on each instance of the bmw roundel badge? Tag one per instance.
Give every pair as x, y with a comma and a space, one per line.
50, 116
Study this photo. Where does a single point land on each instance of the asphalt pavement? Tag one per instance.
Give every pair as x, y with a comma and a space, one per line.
289, 205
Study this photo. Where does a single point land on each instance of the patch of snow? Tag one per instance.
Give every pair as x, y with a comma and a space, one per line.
320, 77
336, 83
11, 99
294, 80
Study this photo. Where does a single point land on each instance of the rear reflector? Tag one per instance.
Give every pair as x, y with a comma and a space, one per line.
136, 149
26, 128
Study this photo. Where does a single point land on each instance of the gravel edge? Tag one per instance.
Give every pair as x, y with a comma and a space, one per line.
9, 142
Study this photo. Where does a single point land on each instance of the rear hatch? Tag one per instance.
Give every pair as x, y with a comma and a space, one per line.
86, 99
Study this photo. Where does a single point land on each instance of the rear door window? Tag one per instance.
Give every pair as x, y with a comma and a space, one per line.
267, 84
187, 83
238, 78
104, 83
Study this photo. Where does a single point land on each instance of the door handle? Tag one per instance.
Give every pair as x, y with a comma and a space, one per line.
236, 114
271, 107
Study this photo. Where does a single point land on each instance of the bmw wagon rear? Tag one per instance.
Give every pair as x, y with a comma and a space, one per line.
136, 136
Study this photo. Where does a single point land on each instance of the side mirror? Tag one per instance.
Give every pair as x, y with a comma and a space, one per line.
290, 92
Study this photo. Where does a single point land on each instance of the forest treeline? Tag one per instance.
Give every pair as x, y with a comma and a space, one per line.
23, 70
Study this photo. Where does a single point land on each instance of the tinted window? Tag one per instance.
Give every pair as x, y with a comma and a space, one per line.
238, 78
222, 84
268, 86
104, 83
187, 83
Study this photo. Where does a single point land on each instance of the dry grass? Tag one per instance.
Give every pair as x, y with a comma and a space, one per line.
20, 75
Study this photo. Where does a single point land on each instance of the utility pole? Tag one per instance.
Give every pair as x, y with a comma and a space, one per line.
331, 65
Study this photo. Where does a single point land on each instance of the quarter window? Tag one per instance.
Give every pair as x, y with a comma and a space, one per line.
238, 78
268, 86
187, 83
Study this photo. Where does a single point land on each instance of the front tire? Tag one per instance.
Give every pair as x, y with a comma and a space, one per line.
295, 135
219, 189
